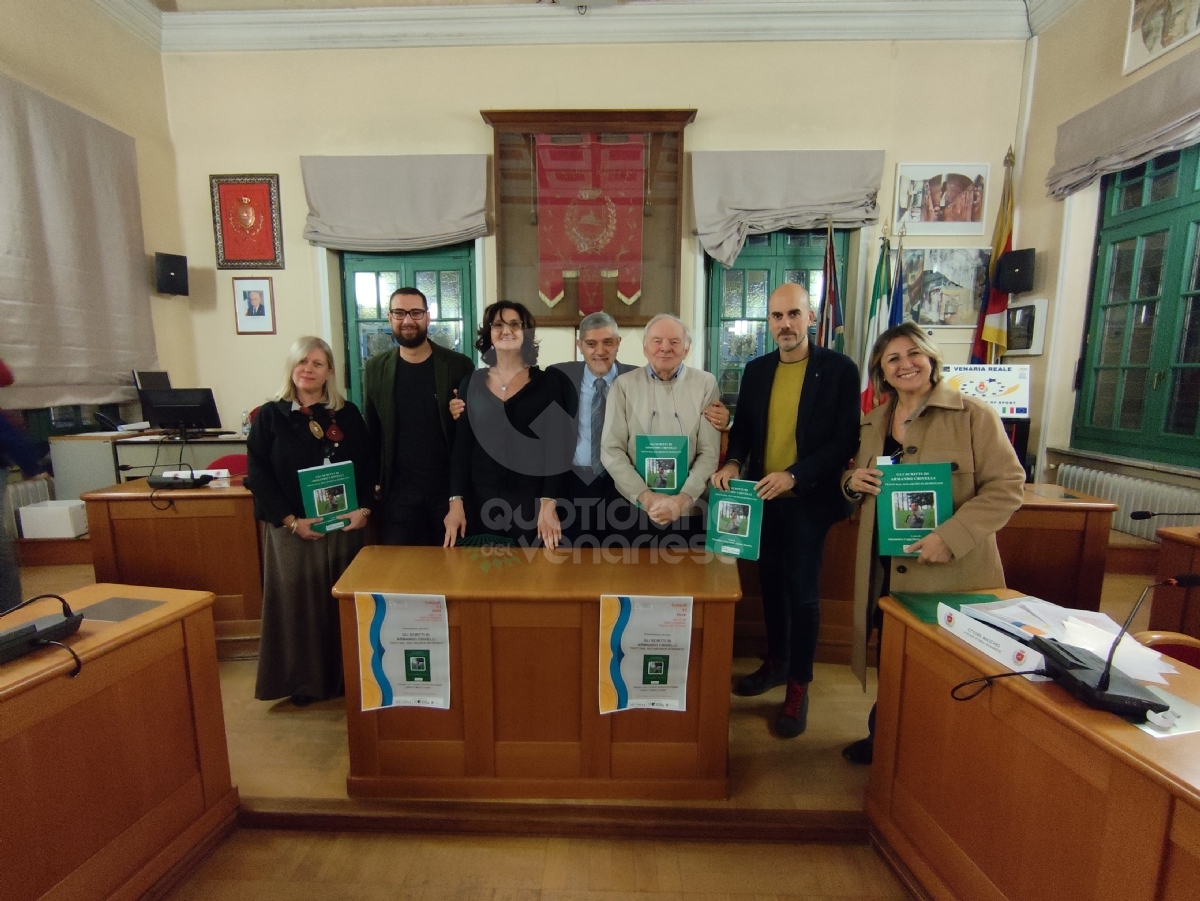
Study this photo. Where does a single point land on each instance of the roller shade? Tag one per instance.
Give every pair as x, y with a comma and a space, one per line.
1158, 114
74, 279
738, 193
394, 203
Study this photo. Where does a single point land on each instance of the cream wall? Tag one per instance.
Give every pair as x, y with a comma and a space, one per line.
259, 112
77, 54
1078, 64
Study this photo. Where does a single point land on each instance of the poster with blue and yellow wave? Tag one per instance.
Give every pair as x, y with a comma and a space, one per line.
403, 650
645, 642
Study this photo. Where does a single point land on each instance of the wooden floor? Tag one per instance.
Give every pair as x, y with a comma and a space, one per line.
280, 751
253, 865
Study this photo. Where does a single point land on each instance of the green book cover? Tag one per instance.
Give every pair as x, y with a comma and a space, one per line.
923, 605
328, 492
734, 520
662, 461
913, 501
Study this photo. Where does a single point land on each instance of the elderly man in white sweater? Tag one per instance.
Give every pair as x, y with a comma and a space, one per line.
663, 398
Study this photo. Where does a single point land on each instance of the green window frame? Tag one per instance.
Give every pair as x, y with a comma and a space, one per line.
446, 276
737, 296
1140, 391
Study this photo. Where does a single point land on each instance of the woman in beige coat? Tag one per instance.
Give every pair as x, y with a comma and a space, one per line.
923, 420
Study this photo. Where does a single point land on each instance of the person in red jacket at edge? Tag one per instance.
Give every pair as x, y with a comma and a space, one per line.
15, 449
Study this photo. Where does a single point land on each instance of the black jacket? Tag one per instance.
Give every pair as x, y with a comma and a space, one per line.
826, 427
379, 404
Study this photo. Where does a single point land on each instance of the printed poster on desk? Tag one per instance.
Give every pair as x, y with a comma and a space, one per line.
735, 520
644, 646
329, 493
403, 650
913, 501
662, 461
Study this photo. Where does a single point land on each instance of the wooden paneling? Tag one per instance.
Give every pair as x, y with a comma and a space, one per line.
1177, 609
202, 540
524, 683
1022, 792
105, 777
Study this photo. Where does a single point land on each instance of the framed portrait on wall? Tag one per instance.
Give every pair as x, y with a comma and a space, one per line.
254, 306
1156, 26
940, 198
246, 221
589, 211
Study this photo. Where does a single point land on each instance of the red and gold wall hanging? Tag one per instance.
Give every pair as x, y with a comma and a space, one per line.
246, 221
588, 211
590, 199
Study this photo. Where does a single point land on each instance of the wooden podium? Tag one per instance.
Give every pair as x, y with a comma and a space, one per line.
204, 539
524, 717
1023, 792
113, 781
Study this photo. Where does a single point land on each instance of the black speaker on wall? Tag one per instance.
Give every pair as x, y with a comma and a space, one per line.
170, 274
1014, 272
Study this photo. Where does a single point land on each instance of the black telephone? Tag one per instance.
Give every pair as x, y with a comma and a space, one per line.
109, 423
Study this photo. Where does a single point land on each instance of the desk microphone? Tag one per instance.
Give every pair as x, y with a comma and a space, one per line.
1146, 514
1093, 682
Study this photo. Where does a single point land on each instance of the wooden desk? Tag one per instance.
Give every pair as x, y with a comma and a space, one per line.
204, 539
1023, 792
524, 719
115, 781
1053, 548
138, 456
1177, 609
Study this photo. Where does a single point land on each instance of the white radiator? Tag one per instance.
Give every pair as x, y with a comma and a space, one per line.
1130, 494
30, 491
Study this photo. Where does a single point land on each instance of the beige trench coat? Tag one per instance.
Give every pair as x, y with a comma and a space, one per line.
987, 480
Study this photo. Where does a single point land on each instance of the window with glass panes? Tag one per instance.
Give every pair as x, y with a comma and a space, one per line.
1140, 393
446, 276
737, 297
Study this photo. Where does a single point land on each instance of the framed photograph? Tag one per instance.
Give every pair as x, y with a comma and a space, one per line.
246, 221
945, 287
1156, 26
940, 198
1026, 327
254, 306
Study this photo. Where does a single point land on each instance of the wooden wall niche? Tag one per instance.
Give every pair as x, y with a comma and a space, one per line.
589, 211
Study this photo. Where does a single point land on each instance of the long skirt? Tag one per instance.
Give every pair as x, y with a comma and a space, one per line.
300, 653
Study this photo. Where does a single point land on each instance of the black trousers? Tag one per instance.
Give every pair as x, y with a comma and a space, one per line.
789, 569
414, 520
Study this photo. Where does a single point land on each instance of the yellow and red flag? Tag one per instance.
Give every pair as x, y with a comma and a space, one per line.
991, 332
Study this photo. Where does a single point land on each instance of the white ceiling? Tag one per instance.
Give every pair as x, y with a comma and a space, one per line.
223, 25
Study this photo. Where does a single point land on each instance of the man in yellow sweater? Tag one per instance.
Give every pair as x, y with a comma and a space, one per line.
795, 431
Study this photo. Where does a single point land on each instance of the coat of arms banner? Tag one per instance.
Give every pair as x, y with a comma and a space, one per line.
590, 203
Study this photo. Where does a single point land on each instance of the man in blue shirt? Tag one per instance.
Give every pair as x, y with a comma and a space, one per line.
596, 509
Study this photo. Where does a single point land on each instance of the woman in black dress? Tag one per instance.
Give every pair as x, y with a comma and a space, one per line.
308, 424
514, 445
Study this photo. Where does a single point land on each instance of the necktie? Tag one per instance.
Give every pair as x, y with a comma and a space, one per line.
598, 398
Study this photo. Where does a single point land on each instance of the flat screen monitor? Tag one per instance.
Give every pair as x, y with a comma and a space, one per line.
180, 408
152, 379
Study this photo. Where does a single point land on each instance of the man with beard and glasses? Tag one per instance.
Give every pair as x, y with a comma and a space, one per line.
406, 397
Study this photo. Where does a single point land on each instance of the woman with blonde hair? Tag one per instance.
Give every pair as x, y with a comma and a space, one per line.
309, 423
924, 420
